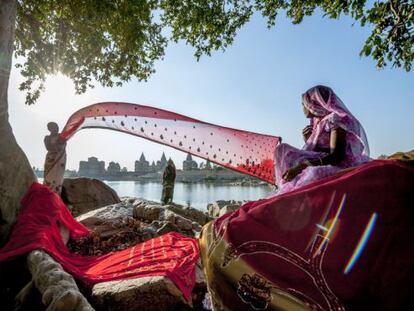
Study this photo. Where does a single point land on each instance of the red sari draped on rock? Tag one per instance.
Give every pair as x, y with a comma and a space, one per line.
343, 242
171, 255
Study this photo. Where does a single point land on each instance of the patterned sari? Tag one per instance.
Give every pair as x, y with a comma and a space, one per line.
331, 239
329, 113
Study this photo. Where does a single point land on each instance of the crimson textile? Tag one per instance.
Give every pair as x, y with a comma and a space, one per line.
242, 151
171, 255
344, 242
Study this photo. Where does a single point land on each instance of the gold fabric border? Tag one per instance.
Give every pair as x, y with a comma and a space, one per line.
225, 274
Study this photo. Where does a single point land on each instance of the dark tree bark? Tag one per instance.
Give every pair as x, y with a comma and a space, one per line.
16, 174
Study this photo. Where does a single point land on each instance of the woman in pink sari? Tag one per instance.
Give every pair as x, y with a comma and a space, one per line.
334, 140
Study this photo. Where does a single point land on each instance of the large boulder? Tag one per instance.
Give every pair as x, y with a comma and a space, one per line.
148, 212
108, 235
165, 227
146, 293
120, 225
86, 194
122, 209
191, 213
178, 220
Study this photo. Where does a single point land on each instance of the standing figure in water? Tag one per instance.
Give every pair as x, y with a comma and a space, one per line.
55, 162
334, 140
168, 179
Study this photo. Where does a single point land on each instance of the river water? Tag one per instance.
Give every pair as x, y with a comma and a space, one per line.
196, 195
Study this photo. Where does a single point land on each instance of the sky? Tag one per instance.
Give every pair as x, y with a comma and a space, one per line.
255, 85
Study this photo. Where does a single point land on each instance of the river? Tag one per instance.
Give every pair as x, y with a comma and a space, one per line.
196, 195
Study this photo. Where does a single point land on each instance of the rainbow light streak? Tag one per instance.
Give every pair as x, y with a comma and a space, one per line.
362, 243
321, 227
332, 226
321, 221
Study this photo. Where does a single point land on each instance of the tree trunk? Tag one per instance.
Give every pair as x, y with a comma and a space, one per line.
57, 287
16, 174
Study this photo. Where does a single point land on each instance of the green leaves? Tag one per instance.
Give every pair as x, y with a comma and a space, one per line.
205, 25
392, 37
111, 41
108, 41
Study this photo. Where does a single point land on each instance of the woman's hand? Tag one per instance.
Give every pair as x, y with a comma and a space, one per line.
307, 131
294, 171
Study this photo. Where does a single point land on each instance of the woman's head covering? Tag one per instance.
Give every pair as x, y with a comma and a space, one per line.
321, 101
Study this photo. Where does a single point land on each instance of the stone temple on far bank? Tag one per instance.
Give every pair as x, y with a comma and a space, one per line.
92, 167
113, 168
189, 164
161, 164
143, 166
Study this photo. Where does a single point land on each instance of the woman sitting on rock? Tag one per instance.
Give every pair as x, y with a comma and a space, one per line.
334, 140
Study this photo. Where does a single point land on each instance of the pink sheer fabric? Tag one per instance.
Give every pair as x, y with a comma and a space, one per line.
333, 112
246, 152
329, 113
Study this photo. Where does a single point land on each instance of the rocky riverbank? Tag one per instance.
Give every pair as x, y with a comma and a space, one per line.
115, 224
132, 221
121, 225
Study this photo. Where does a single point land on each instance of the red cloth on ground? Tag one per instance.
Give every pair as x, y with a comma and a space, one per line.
246, 152
172, 255
346, 240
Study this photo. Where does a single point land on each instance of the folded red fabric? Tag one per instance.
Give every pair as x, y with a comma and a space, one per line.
37, 227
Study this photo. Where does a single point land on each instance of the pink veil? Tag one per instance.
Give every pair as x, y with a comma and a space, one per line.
323, 102
246, 152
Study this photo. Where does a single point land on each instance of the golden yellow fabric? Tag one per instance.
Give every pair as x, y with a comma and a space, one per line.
226, 276
403, 156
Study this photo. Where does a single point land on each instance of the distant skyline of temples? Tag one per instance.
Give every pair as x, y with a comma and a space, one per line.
94, 167
147, 171
143, 166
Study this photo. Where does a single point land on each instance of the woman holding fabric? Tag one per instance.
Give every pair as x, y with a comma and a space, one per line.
334, 140
335, 243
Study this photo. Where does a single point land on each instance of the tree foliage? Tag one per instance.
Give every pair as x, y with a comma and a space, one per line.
111, 41
108, 41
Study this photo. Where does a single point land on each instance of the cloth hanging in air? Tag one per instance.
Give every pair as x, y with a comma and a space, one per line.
246, 152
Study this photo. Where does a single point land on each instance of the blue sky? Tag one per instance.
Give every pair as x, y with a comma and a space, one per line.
256, 84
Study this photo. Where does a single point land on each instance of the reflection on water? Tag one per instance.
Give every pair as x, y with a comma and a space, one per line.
195, 195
